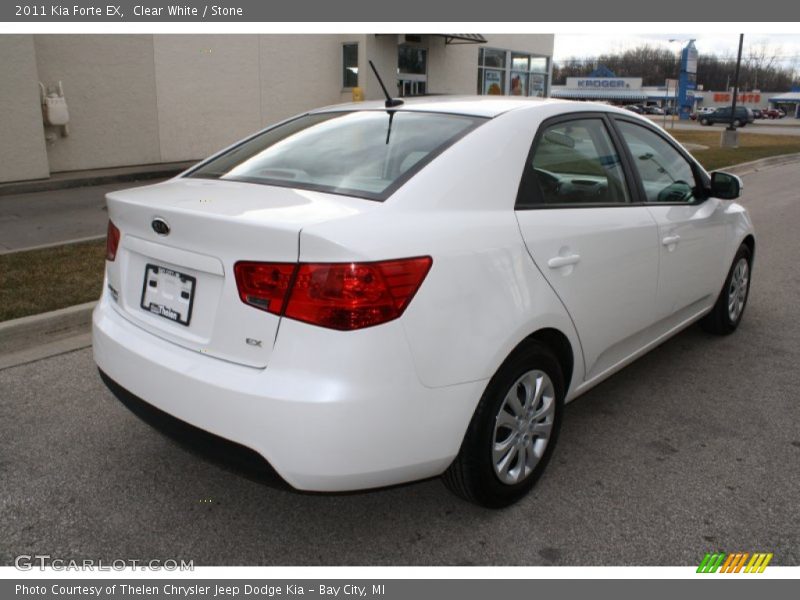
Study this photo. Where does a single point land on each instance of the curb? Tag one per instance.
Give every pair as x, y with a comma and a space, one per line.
24, 333
91, 238
98, 177
755, 165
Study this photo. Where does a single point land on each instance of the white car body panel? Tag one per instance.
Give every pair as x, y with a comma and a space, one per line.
317, 402
615, 246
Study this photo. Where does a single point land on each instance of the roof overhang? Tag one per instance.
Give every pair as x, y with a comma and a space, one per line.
462, 38
790, 97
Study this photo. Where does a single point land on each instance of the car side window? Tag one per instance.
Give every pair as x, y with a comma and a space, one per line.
666, 175
573, 163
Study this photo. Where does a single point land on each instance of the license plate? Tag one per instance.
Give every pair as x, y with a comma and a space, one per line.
168, 293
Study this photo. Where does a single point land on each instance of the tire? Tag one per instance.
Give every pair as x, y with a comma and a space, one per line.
727, 313
704, 122
477, 474
737, 123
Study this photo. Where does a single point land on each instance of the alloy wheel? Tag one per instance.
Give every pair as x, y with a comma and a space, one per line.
737, 289
523, 427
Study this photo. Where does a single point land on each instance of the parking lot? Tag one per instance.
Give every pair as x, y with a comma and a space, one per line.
693, 448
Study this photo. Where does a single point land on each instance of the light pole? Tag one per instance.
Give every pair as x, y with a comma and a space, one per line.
736, 82
730, 136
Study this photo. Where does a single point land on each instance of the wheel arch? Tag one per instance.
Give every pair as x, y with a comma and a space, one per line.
750, 241
556, 341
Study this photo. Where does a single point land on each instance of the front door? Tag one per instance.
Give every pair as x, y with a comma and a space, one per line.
691, 228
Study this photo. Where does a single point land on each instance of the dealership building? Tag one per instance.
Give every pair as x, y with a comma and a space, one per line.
78, 102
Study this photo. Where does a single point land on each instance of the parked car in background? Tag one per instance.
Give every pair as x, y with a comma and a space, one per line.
653, 110
349, 295
635, 108
742, 116
774, 113
704, 110
758, 113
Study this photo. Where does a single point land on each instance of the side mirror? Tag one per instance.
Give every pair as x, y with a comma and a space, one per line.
725, 185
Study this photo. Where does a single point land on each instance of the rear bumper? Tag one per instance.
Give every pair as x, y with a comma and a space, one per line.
333, 411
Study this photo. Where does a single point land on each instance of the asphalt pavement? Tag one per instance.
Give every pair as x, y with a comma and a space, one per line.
786, 126
49, 217
693, 448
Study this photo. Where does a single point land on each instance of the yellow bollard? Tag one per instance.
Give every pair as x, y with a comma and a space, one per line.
358, 94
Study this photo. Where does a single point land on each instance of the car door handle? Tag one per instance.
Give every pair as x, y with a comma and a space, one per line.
563, 261
670, 239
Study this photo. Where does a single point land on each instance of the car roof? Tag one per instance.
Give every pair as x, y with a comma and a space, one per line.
478, 106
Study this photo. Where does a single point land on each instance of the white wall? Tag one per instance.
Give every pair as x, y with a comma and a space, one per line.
109, 85
208, 92
300, 72
22, 152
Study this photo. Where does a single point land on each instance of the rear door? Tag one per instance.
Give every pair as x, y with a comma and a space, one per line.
691, 227
597, 249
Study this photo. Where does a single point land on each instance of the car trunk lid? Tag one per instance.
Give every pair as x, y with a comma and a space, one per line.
173, 274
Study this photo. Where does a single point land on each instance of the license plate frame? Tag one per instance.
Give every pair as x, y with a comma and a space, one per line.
160, 300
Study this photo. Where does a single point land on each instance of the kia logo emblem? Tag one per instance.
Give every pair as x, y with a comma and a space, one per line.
160, 226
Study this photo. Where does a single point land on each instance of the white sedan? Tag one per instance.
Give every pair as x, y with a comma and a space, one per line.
370, 294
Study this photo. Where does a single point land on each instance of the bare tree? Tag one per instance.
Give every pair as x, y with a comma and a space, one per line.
762, 67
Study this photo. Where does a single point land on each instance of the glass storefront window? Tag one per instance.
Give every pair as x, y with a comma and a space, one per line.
519, 84
494, 82
519, 62
349, 65
412, 60
538, 84
538, 64
502, 72
493, 58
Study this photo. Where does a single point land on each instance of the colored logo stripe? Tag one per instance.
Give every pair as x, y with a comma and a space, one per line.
733, 563
711, 562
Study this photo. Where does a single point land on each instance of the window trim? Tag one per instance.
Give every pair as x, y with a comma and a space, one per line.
702, 180
525, 184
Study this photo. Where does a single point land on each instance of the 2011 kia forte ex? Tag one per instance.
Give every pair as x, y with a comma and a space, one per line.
374, 293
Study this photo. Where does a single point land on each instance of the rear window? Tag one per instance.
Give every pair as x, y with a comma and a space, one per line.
368, 154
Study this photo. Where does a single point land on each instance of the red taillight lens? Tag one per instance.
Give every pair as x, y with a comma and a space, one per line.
112, 241
355, 295
264, 285
342, 296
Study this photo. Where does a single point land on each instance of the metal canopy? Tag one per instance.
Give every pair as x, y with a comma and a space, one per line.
462, 38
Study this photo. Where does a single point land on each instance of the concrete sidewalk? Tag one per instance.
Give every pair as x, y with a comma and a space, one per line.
93, 177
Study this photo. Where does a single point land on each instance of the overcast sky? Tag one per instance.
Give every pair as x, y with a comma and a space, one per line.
785, 45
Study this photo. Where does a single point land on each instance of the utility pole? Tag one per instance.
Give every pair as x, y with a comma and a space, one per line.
736, 82
730, 136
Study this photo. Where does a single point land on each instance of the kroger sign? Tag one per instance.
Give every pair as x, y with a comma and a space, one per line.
604, 82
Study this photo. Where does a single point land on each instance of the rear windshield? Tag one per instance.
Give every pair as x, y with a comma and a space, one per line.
368, 154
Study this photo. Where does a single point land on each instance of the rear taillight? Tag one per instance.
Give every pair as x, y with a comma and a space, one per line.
112, 241
264, 285
342, 296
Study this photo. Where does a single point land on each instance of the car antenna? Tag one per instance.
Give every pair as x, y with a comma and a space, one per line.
390, 102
